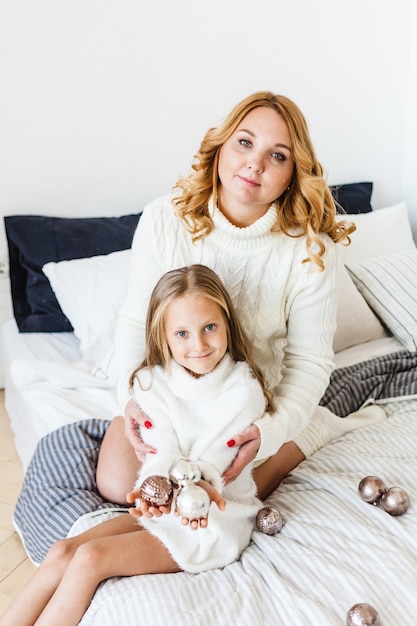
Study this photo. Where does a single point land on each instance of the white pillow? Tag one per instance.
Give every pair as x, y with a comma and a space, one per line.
356, 322
91, 292
378, 233
389, 285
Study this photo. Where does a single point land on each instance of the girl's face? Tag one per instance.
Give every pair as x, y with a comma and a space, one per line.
255, 166
196, 332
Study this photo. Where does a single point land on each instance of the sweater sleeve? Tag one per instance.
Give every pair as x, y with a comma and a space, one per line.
308, 353
149, 261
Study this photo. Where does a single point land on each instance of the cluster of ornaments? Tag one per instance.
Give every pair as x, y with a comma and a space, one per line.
394, 500
191, 500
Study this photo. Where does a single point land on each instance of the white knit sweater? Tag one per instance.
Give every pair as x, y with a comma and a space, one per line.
287, 307
194, 418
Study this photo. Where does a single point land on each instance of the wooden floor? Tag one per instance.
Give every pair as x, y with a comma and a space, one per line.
15, 567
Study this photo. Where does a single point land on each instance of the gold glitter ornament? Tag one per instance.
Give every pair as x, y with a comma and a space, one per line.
269, 520
362, 615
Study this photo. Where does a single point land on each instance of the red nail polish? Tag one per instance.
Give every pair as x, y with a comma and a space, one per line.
148, 424
231, 443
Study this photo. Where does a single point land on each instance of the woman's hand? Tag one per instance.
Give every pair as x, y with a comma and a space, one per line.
214, 496
249, 442
143, 508
134, 418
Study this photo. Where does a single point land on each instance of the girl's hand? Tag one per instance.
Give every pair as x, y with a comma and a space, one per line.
249, 442
214, 496
143, 508
134, 418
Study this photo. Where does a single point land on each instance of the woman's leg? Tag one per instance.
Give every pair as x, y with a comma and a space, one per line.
117, 465
269, 475
324, 427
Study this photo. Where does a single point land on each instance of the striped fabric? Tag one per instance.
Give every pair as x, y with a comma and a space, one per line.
389, 285
380, 379
59, 486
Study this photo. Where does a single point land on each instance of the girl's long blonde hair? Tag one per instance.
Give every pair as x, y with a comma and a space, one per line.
306, 208
202, 280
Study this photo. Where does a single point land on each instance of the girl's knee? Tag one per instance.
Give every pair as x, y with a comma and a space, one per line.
88, 554
59, 550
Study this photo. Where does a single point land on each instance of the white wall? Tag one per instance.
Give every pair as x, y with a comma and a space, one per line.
103, 102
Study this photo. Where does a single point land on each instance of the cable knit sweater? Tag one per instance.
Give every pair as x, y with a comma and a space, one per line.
287, 307
194, 418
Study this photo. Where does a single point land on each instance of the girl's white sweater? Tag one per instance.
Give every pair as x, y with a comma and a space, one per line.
287, 307
194, 418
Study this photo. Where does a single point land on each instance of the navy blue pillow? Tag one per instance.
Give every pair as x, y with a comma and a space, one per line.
353, 197
34, 240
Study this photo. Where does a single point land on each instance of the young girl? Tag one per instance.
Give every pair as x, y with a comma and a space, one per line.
199, 384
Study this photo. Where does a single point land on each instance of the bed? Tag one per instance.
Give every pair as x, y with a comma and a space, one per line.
335, 550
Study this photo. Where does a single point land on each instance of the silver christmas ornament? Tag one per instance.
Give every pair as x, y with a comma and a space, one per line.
395, 501
362, 615
184, 471
192, 502
156, 490
269, 521
371, 489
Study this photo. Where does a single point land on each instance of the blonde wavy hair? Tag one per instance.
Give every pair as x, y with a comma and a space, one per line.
202, 280
306, 208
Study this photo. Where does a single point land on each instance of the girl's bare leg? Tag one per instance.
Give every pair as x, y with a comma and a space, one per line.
269, 475
63, 586
118, 465
121, 555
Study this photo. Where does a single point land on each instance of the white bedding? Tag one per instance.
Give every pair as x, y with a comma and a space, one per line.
48, 385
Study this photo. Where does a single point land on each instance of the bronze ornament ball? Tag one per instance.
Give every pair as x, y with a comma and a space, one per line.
395, 501
156, 490
371, 489
269, 520
363, 615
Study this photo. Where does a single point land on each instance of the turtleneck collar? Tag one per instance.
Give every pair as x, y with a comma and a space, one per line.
247, 240
184, 385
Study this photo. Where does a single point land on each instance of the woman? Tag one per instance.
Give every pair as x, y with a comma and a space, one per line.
257, 210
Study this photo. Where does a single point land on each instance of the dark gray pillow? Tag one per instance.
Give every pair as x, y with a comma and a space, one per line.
353, 197
34, 240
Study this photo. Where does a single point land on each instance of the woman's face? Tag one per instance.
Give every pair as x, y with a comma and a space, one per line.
255, 166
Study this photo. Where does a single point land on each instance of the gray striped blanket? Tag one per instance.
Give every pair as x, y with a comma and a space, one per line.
381, 379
